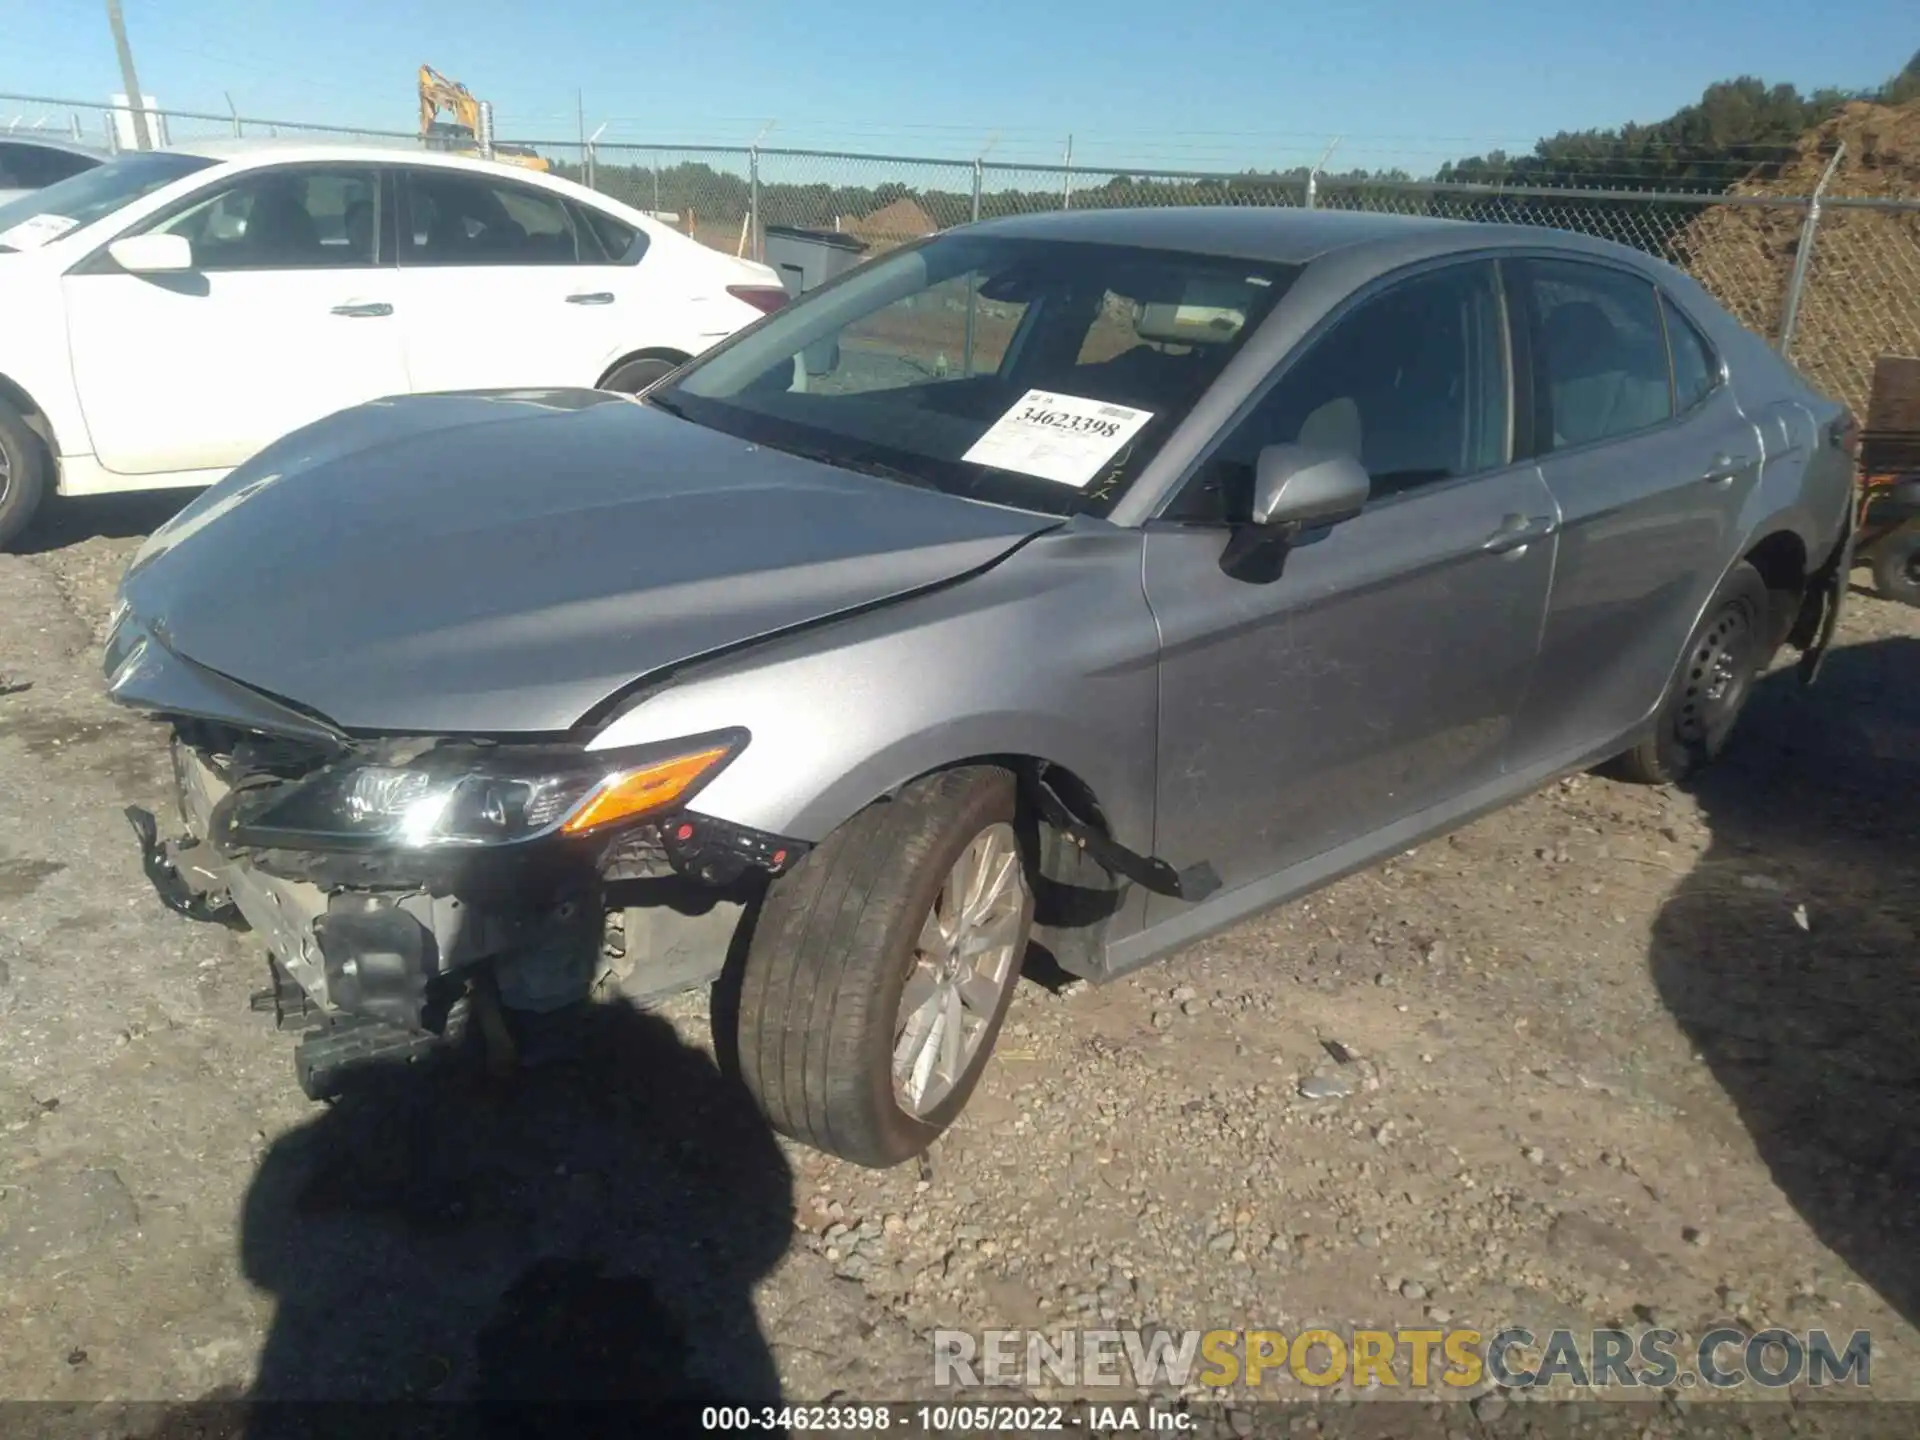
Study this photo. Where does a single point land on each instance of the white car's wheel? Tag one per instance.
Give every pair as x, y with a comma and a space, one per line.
23, 473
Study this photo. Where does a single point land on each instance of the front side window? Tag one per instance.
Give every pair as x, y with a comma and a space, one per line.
1041, 374
285, 219
455, 218
1412, 382
45, 215
1600, 354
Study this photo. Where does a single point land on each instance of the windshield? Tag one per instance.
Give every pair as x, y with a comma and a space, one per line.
45, 215
1041, 374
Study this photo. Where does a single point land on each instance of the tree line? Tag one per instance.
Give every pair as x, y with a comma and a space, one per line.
1736, 128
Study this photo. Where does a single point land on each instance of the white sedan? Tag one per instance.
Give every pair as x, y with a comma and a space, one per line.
166, 315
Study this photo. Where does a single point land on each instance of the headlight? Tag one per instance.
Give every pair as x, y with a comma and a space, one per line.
463, 795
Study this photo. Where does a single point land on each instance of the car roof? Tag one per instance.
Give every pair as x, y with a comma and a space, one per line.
298, 149
1287, 235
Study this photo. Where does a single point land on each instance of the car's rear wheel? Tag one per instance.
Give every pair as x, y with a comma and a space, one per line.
633, 376
1729, 648
23, 473
1896, 566
881, 968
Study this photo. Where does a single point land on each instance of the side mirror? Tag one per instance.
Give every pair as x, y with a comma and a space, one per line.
153, 254
1301, 486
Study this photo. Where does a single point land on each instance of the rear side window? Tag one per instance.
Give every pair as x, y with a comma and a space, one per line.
1694, 368
603, 233
457, 218
1599, 353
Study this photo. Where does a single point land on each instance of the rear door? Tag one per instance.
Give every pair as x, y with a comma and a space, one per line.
1378, 675
504, 285
287, 316
1649, 459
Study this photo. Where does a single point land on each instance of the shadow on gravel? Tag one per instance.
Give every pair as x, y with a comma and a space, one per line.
69, 519
587, 1235
1814, 1032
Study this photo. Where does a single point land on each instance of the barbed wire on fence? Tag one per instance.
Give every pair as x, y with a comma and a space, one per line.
1858, 298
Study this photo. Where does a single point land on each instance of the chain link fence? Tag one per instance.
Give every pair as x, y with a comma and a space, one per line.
1857, 296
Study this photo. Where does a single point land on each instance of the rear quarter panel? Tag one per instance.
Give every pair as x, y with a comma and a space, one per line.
1806, 484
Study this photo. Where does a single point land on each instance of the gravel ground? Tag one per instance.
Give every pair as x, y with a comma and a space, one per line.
1613, 1056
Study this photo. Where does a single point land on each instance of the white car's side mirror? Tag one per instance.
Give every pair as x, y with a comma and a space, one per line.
152, 254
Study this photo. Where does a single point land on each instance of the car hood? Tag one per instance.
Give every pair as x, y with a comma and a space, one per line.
503, 562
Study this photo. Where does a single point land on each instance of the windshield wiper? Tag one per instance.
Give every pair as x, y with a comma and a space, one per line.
860, 462
671, 407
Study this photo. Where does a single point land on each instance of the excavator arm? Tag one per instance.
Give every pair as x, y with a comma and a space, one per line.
438, 93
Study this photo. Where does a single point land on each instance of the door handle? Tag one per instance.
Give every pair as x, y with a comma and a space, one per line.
597, 297
1518, 531
1728, 467
360, 308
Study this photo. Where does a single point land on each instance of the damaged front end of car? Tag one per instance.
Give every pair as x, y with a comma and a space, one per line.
413, 889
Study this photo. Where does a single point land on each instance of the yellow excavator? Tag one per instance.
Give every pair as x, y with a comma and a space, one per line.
462, 135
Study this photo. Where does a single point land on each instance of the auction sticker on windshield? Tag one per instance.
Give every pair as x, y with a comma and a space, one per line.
31, 234
1058, 437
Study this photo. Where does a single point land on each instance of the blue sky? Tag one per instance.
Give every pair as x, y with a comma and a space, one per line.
1135, 82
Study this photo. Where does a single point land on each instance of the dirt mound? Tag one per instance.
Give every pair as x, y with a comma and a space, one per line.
1862, 297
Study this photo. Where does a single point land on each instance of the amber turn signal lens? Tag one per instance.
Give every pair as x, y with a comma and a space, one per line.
639, 792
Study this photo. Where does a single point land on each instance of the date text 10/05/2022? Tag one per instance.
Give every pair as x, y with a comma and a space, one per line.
972, 1419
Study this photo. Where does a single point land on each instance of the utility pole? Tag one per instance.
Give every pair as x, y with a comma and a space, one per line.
135, 101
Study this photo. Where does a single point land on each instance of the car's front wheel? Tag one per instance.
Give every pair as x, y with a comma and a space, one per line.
882, 966
1729, 648
23, 473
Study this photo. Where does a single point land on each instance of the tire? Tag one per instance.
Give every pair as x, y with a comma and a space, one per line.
1896, 565
23, 474
837, 941
1725, 655
630, 377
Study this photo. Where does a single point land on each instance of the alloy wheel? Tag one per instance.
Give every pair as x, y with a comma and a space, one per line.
966, 957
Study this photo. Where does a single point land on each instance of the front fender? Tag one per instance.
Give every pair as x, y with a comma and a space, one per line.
1052, 654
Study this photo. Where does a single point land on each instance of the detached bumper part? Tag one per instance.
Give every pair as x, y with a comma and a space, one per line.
185, 884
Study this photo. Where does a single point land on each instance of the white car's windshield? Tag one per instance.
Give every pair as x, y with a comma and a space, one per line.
45, 215
1034, 373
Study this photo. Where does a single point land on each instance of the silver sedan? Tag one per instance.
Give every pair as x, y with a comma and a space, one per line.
1079, 583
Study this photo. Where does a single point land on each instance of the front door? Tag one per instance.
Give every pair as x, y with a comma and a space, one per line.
287, 316
504, 287
1649, 460
1379, 674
